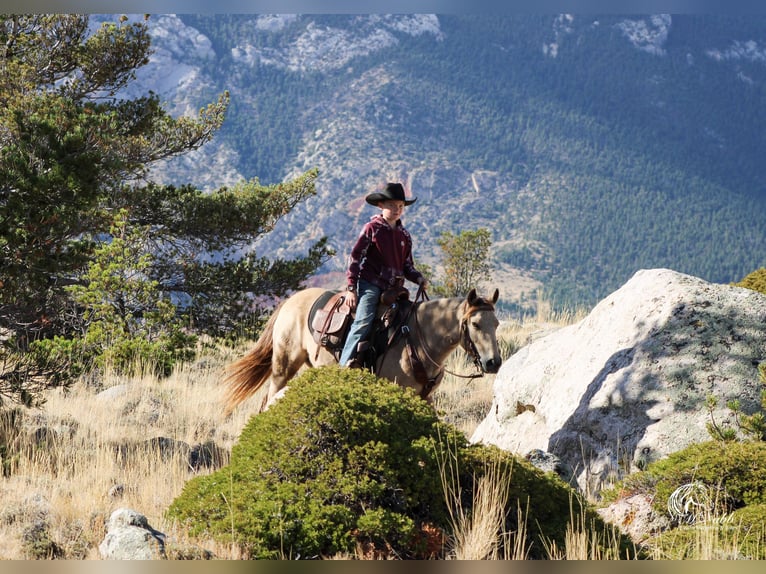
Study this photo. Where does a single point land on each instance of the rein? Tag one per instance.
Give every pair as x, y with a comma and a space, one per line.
416, 363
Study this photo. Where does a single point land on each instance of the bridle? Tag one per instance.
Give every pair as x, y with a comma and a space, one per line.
466, 342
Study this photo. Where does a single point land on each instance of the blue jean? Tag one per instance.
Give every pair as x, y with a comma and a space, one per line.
368, 296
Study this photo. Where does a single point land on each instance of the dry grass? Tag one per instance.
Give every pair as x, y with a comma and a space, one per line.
713, 536
583, 542
67, 474
85, 454
479, 533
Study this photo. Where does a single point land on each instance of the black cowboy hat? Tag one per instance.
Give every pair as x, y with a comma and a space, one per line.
391, 191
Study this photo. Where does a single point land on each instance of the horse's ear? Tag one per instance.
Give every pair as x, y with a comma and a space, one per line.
471, 296
495, 296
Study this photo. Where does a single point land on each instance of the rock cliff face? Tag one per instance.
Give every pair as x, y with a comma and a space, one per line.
629, 383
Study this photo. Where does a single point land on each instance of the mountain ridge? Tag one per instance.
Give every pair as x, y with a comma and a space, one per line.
590, 146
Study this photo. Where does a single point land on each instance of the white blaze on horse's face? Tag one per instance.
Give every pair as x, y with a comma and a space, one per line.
481, 332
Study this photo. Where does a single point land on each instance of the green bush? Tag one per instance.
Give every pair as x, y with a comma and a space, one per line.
750, 525
734, 476
345, 460
755, 281
735, 469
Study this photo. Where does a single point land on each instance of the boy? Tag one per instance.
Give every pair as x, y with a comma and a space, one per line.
381, 258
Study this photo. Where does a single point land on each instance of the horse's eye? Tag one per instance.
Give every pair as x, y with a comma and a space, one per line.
476, 325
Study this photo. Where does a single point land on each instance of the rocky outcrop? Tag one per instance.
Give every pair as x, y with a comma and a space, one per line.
630, 383
130, 537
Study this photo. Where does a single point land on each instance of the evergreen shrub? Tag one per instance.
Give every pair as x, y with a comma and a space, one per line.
734, 477
737, 469
346, 461
736, 536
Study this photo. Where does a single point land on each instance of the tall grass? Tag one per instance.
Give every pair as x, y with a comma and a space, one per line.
583, 542
479, 533
84, 454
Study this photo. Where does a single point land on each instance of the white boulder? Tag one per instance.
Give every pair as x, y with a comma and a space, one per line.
629, 383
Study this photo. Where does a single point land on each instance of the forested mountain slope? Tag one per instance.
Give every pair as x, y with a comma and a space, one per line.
590, 146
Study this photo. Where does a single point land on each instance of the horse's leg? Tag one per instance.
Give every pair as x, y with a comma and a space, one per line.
294, 348
290, 352
287, 360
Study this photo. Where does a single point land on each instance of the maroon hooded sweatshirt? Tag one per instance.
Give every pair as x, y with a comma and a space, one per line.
381, 254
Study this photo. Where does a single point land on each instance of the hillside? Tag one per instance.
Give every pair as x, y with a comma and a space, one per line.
590, 146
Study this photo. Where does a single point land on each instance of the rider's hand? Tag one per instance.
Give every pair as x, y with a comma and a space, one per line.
351, 299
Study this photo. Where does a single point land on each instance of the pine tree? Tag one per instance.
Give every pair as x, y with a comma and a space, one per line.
74, 161
466, 261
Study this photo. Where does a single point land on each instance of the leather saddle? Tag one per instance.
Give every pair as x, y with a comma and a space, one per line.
330, 318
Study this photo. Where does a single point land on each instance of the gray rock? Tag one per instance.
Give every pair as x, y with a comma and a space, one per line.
628, 384
113, 393
130, 537
548, 462
635, 517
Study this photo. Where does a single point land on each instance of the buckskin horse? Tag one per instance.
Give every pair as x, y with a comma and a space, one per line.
431, 331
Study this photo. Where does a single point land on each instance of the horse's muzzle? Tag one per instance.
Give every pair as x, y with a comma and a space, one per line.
492, 365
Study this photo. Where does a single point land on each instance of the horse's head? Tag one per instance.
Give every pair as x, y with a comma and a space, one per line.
478, 328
